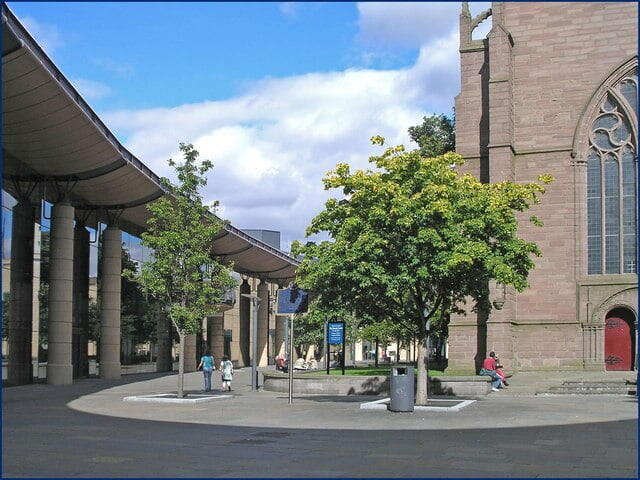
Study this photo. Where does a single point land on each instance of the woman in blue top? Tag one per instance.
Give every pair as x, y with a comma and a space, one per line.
206, 362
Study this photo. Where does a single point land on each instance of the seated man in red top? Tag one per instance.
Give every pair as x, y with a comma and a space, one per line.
489, 369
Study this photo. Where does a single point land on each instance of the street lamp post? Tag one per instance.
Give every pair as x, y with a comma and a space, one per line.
290, 359
255, 302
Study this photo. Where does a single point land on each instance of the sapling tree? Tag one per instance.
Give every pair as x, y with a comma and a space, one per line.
183, 273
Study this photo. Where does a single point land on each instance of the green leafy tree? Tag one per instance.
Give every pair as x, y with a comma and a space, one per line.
43, 293
435, 136
384, 331
308, 329
183, 274
135, 321
93, 333
413, 237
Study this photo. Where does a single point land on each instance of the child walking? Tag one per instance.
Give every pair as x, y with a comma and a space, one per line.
226, 367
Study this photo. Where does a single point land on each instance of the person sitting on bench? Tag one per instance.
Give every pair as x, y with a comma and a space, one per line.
281, 364
500, 372
489, 369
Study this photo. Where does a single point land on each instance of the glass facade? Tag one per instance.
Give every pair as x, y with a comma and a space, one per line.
130, 243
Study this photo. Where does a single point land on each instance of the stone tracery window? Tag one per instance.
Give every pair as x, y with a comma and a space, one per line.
611, 181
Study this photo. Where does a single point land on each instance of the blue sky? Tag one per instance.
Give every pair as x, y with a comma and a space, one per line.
164, 54
274, 93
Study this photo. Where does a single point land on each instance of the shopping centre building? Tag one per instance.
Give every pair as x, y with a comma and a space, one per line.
69, 181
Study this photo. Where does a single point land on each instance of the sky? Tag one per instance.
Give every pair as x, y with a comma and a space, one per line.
274, 94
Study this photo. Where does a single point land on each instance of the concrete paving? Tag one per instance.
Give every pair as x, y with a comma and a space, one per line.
87, 430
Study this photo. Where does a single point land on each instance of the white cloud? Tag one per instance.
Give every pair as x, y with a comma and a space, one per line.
411, 24
120, 69
90, 89
48, 36
405, 24
272, 145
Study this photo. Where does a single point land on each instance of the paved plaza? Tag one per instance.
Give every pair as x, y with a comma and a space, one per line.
86, 430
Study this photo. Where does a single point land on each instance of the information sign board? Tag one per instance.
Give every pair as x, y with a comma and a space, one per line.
335, 333
292, 300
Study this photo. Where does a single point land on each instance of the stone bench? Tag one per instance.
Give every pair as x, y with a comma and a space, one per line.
460, 386
467, 386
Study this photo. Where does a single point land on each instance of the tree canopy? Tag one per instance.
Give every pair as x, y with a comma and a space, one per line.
435, 136
412, 238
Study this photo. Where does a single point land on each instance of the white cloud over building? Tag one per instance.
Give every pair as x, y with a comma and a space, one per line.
272, 144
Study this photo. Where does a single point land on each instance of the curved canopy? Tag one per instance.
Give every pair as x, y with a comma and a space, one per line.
52, 138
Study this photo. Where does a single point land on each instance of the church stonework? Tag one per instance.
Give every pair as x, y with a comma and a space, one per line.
553, 89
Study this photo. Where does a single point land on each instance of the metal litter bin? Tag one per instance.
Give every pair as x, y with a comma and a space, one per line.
402, 388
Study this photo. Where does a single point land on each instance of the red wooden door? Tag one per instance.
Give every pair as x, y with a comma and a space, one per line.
617, 344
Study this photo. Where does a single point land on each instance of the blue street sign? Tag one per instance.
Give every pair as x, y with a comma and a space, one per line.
335, 333
292, 300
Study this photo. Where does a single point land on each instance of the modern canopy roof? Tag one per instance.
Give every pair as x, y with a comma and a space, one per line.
52, 138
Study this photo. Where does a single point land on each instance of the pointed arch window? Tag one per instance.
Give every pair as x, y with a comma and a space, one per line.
612, 162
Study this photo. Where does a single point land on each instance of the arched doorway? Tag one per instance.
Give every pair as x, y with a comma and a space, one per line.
619, 340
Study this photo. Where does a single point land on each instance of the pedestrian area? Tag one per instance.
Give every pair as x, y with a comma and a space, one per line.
86, 429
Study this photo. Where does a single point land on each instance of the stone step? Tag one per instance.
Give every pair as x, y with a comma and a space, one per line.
591, 383
594, 389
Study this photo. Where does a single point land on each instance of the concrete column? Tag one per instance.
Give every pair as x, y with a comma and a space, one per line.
311, 353
245, 323
216, 336
358, 351
190, 353
81, 301
263, 323
164, 360
21, 284
59, 366
110, 304
467, 342
201, 344
281, 331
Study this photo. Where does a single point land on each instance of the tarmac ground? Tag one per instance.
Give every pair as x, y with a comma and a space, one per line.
86, 430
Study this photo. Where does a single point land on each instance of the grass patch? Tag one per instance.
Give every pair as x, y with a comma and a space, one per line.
365, 371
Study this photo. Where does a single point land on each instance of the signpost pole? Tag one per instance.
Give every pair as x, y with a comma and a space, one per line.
255, 302
343, 347
326, 344
290, 359
254, 350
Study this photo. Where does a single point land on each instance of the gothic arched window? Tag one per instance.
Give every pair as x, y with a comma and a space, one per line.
611, 181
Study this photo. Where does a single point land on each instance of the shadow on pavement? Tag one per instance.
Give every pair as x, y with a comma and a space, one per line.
336, 398
43, 437
56, 441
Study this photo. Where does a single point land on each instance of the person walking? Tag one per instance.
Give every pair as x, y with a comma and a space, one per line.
207, 364
226, 367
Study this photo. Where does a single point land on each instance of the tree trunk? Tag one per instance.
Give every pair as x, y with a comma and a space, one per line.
181, 366
376, 353
423, 372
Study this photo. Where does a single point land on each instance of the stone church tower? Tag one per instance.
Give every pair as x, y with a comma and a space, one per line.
553, 89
